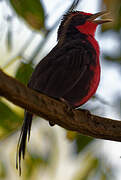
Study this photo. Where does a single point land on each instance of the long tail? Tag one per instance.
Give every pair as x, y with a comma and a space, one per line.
25, 131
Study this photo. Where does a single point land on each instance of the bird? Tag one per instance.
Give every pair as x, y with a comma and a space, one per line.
71, 70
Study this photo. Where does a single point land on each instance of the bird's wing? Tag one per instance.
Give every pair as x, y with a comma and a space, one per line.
58, 74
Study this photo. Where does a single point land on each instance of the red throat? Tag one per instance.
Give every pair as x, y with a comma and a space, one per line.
87, 28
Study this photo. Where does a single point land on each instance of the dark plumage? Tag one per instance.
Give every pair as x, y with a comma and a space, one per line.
70, 71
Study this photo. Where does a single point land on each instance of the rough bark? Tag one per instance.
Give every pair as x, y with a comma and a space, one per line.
52, 110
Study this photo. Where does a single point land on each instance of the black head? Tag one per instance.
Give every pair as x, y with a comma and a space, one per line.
72, 19
78, 21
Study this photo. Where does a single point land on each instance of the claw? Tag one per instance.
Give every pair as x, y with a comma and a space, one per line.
69, 106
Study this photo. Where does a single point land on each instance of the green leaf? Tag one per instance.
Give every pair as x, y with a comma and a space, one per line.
9, 120
82, 142
31, 11
24, 72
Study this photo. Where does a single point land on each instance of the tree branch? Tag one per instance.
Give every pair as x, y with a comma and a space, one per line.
58, 112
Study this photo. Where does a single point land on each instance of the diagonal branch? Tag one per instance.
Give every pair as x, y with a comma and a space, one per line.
57, 112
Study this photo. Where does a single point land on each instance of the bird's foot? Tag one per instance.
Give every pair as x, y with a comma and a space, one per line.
69, 109
69, 106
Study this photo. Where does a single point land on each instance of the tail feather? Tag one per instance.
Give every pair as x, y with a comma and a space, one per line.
25, 131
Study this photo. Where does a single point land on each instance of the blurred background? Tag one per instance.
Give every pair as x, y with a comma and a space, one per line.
28, 31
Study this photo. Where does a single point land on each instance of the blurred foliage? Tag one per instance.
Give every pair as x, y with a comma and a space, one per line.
114, 8
91, 166
2, 170
9, 120
80, 141
24, 72
31, 11
34, 163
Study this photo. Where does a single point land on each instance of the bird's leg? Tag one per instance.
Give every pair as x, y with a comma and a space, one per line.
69, 106
69, 109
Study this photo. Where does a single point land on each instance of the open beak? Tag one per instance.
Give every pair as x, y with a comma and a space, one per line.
93, 17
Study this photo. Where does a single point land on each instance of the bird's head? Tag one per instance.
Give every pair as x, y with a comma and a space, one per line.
86, 23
